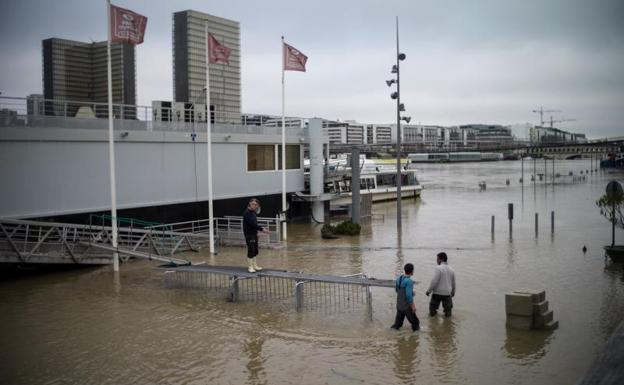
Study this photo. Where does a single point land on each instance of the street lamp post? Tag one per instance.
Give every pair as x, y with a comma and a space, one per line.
400, 108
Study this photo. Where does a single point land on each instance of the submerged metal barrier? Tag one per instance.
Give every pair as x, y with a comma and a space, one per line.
313, 292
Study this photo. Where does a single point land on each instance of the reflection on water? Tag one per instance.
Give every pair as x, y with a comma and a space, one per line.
93, 326
255, 366
407, 358
527, 346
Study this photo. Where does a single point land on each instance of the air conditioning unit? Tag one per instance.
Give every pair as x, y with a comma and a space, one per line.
161, 111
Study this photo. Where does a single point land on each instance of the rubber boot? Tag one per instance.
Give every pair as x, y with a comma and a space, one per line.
255, 265
250, 265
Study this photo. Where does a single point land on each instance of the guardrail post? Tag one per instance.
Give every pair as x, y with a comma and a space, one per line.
234, 289
369, 303
299, 295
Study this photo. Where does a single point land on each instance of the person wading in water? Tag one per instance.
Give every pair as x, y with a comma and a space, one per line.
405, 305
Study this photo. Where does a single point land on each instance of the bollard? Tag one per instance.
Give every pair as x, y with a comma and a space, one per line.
492, 226
536, 227
510, 217
552, 222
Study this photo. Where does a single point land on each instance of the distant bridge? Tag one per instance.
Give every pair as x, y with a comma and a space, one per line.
593, 148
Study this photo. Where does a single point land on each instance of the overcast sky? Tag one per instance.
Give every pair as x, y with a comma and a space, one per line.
478, 61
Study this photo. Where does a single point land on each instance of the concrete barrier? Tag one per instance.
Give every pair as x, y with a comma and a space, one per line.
527, 309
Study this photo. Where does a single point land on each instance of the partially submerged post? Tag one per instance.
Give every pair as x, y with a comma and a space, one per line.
536, 226
355, 185
510, 217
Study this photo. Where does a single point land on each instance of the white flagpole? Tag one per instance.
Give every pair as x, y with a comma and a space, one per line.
284, 237
209, 143
111, 145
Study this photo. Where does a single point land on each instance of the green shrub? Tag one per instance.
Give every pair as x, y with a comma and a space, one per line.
348, 228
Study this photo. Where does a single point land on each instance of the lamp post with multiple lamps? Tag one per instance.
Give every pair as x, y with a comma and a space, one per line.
400, 108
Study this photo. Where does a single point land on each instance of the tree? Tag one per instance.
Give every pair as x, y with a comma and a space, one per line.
611, 207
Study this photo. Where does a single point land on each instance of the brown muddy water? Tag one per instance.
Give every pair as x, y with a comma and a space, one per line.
91, 326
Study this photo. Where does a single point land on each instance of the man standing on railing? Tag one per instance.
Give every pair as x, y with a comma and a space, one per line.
251, 229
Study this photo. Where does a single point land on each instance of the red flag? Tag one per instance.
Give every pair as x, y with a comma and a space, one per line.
126, 26
217, 52
294, 60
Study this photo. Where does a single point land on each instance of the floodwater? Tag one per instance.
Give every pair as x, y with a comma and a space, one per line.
92, 326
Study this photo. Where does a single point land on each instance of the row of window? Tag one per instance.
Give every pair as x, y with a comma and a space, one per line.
268, 157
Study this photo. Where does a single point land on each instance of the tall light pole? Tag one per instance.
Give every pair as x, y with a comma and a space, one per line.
400, 108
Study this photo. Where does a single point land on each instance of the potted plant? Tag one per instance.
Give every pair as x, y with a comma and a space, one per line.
611, 207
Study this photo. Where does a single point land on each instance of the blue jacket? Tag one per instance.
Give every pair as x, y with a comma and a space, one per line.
404, 286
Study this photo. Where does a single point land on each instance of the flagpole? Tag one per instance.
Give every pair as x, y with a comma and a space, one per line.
209, 145
284, 236
111, 145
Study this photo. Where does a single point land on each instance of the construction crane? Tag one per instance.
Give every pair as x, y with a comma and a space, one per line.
541, 112
552, 121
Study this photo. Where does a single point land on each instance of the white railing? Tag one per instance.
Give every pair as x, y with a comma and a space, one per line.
39, 112
228, 230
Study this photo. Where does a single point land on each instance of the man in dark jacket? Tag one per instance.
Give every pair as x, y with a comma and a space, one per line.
251, 229
405, 306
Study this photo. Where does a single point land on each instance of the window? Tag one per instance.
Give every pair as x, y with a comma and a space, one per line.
268, 157
293, 157
261, 157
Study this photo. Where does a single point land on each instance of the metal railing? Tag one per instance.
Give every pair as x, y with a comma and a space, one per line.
23, 241
228, 230
314, 292
49, 113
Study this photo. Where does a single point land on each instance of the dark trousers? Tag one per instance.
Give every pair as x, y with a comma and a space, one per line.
447, 304
411, 317
252, 246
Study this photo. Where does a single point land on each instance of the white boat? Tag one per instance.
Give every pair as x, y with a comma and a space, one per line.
378, 178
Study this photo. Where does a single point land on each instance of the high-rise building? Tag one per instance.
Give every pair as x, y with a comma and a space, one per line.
75, 71
189, 64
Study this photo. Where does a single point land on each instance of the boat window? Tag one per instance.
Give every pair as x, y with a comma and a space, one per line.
260, 157
362, 184
293, 156
370, 183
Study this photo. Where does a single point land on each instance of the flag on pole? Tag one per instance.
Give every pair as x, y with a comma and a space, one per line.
294, 60
126, 26
217, 52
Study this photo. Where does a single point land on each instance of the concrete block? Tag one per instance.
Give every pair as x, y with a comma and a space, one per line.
540, 308
540, 320
552, 325
519, 304
538, 295
519, 322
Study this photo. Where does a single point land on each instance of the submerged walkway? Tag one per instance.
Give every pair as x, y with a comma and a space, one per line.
608, 368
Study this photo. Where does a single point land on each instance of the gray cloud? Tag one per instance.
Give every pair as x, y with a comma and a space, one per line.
478, 61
